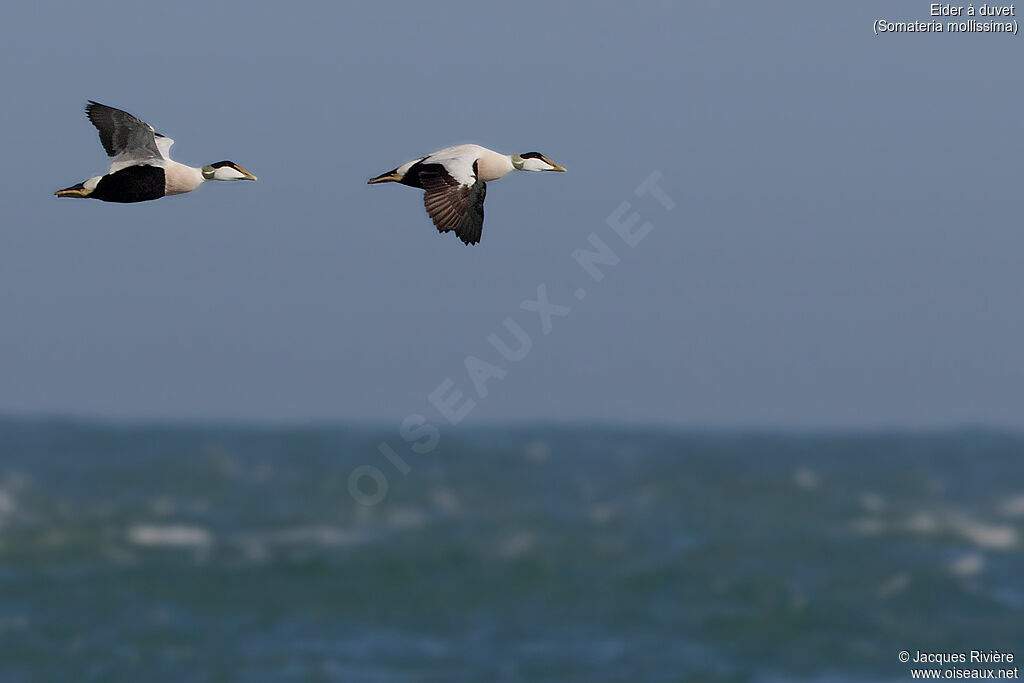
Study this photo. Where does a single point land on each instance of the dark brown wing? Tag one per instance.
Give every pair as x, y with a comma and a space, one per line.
121, 133
453, 205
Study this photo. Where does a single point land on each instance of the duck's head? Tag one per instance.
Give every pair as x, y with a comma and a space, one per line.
226, 170
534, 161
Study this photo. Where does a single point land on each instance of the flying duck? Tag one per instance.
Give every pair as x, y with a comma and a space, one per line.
454, 181
140, 164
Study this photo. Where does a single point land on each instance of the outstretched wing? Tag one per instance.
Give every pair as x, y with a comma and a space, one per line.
454, 197
163, 143
124, 137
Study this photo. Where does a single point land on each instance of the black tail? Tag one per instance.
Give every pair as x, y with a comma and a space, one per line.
76, 191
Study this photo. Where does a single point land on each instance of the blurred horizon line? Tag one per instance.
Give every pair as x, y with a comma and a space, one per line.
374, 425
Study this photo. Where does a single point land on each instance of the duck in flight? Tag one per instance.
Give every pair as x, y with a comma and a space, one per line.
140, 164
454, 183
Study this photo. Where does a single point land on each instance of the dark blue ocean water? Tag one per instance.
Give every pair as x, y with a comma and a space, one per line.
530, 554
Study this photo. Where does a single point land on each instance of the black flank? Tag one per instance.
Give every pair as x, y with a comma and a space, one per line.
132, 184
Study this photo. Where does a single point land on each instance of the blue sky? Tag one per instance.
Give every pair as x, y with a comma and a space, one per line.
844, 250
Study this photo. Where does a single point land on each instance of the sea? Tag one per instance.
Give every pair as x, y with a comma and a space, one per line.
206, 552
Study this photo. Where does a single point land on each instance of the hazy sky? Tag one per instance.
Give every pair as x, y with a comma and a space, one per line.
845, 247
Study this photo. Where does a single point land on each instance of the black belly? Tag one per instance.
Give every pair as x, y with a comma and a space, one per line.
131, 184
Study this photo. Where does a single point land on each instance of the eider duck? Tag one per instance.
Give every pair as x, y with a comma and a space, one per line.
140, 164
455, 179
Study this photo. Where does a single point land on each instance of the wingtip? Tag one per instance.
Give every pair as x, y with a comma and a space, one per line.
93, 103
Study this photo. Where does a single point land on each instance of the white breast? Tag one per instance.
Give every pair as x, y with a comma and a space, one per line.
179, 178
491, 165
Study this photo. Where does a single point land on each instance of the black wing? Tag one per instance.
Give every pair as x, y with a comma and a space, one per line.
451, 204
121, 133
